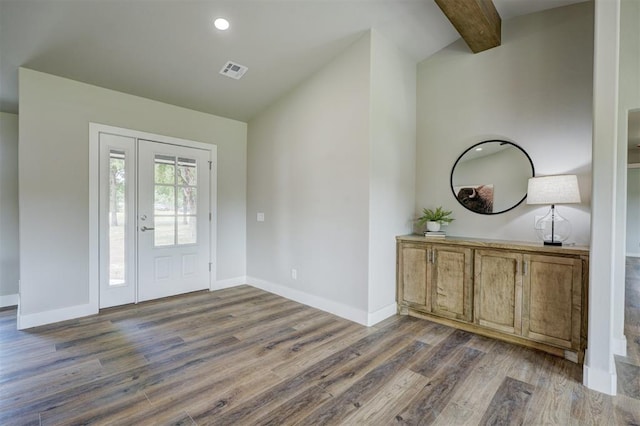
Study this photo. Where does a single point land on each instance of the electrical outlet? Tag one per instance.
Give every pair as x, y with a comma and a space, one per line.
260, 217
294, 274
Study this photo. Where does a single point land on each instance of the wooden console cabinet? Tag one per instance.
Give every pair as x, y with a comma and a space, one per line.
524, 293
437, 279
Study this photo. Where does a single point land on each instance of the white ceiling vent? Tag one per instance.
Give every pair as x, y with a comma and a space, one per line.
233, 70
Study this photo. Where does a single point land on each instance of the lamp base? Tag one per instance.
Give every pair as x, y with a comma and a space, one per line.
553, 229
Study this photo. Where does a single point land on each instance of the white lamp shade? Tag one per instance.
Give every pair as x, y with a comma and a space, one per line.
558, 189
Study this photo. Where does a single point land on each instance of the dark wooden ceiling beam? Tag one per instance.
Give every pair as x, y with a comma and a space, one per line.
477, 21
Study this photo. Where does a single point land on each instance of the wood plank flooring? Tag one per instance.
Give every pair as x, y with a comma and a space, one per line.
242, 356
628, 368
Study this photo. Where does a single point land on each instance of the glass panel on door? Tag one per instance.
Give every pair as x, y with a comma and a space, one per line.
187, 201
117, 217
175, 201
116, 220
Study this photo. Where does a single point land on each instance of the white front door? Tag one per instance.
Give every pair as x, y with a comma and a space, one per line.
173, 219
154, 216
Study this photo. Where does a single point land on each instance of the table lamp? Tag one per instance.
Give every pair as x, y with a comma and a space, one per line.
553, 229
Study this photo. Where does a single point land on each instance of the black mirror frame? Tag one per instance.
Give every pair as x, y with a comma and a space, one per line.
533, 173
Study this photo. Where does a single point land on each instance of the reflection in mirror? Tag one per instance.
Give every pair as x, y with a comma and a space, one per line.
491, 177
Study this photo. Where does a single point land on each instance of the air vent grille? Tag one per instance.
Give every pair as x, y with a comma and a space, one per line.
233, 70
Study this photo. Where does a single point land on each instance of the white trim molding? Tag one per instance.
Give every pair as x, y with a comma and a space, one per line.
347, 312
599, 369
94, 234
380, 315
228, 283
599, 380
55, 315
619, 345
8, 300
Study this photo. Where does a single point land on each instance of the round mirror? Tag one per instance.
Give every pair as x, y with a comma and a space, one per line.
491, 177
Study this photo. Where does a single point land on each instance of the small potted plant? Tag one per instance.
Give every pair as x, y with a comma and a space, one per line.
434, 218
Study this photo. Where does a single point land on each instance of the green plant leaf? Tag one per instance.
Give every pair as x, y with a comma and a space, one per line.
438, 215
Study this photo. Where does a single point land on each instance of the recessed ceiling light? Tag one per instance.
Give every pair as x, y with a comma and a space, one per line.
221, 24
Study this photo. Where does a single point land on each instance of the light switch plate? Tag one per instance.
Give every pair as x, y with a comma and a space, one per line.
260, 217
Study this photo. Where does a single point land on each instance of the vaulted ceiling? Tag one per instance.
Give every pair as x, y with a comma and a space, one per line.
169, 50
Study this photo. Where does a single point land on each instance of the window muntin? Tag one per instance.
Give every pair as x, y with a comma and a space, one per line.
175, 201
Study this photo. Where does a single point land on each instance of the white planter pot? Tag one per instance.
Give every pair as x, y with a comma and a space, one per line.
433, 226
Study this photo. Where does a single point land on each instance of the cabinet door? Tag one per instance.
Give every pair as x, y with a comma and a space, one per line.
413, 276
451, 282
552, 300
498, 290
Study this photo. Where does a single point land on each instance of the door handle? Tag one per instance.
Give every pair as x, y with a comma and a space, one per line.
144, 228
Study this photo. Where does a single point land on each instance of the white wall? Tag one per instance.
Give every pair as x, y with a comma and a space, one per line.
392, 164
308, 170
534, 90
633, 213
599, 369
54, 118
9, 263
331, 166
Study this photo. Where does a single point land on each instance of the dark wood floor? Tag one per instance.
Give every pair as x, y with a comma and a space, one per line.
242, 356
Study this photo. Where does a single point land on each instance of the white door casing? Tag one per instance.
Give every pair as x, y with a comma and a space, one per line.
150, 270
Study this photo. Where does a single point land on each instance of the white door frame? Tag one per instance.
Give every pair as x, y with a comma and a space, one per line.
94, 190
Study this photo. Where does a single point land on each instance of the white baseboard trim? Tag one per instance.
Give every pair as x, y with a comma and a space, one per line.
633, 254
335, 308
600, 380
382, 314
228, 283
619, 346
8, 300
55, 315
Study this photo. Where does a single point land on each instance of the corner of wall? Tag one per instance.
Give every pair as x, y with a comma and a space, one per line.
8, 300
336, 308
56, 315
620, 346
228, 283
382, 314
308, 173
600, 380
392, 147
